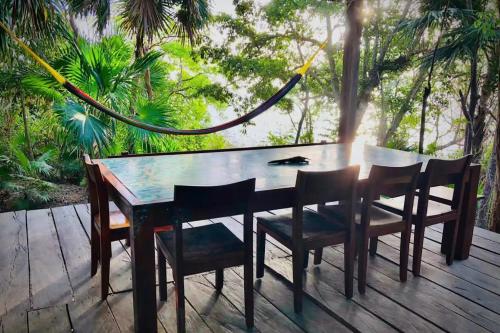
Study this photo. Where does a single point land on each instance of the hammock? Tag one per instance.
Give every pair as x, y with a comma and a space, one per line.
158, 129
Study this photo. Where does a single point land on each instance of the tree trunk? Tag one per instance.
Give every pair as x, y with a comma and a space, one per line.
475, 122
350, 71
405, 107
496, 207
484, 210
479, 123
139, 52
334, 80
27, 137
374, 75
305, 111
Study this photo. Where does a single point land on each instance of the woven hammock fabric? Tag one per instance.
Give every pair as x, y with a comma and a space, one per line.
158, 129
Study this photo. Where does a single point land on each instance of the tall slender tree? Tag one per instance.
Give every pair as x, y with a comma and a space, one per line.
350, 71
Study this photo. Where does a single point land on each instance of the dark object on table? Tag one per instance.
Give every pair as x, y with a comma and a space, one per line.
296, 160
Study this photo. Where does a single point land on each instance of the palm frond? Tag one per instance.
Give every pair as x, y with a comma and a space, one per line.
156, 112
146, 18
100, 8
432, 19
88, 130
192, 17
463, 42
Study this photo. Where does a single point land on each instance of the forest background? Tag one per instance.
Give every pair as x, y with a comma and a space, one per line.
420, 76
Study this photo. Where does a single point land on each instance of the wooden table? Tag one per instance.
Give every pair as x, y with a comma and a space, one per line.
142, 187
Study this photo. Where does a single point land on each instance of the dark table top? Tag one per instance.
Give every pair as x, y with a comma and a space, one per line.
152, 178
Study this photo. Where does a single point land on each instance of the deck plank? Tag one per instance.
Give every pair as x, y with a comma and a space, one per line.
87, 312
275, 250
326, 275
469, 270
14, 275
49, 279
445, 309
54, 244
122, 307
167, 314
484, 243
493, 236
279, 294
389, 250
364, 320
52, 319
348, 310
267, 317
83, 212
472, 263
213, 307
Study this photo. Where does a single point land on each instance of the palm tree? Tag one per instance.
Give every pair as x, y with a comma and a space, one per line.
469, 31
146, 19
105, 71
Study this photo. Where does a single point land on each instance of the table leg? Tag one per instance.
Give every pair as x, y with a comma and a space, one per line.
468, 218
143, 272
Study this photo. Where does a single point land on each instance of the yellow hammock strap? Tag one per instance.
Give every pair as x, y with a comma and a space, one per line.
303, 70
59, 78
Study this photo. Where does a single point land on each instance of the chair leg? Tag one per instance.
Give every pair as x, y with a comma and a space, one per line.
418, 245
162, 275
261, 250
105, 262
404, 252
447, 238
373, 245
180, 303
219, 279
362, 262
306, 259
318, 255
349, 249
94, 249
450, 255
127, 241
297, 280
248, 290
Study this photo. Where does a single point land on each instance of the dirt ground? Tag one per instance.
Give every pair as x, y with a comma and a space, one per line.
62, 195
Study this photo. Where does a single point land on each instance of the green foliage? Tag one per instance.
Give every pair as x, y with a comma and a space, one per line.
21, 180
89, 131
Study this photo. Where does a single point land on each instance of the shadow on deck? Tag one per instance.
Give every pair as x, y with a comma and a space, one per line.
45, 286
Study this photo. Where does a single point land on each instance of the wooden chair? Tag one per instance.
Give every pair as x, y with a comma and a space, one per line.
304, 230
106, 225
428, 212
372, 222
210, 247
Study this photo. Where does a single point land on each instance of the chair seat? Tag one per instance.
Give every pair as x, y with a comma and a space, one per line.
395, 205
315, 227
205, 248
379, 218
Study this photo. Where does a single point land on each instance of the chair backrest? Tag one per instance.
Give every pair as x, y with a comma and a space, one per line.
313, 187
444, 173
206, 202
322, 187
391, 182
193, 203
98, 194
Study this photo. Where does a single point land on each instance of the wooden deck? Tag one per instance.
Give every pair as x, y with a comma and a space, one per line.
45, 286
